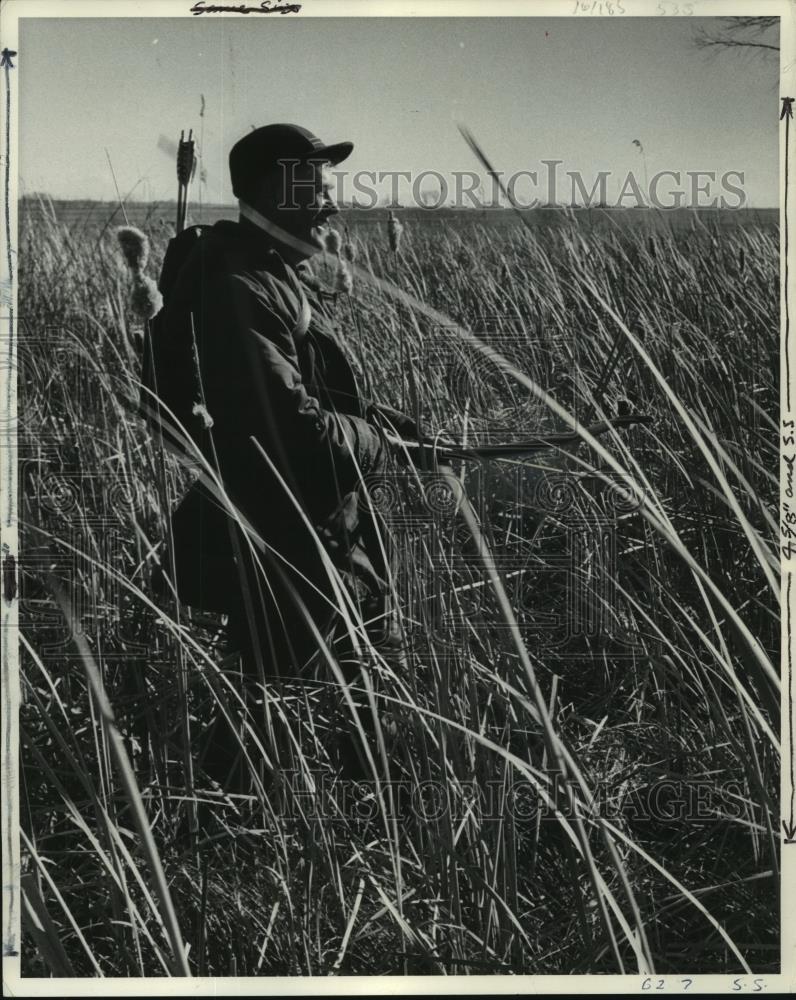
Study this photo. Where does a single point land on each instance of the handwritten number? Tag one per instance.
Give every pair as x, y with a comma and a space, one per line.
609, 7
738, 985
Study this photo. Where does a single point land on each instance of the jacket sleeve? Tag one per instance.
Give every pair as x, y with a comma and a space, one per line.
394, 420
321, 454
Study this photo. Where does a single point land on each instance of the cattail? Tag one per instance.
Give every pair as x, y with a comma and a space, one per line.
389, 726
394, 231
146, 300
349, 247
135, 247
741, 260
200, 411
333, 241
343, 279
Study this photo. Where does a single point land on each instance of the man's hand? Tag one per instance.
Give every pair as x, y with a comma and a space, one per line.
394, 421
416, 452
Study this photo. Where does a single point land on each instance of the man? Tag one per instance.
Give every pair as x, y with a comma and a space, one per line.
244, 356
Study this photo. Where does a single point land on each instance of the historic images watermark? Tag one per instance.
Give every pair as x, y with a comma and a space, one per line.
73, 521
549, 797
554, 533
562, 584
75, 532
550, 184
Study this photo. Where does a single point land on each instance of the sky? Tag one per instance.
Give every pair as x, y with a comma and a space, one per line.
529, 89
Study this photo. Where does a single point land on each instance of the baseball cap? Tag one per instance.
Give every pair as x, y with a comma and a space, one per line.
262, 149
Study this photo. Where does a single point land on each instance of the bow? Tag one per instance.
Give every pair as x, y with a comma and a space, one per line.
448, 451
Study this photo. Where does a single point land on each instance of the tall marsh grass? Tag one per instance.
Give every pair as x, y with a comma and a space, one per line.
517, 871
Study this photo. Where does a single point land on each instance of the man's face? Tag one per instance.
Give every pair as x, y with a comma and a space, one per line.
298, 197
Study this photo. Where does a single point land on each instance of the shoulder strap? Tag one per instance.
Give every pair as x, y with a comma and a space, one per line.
289, 276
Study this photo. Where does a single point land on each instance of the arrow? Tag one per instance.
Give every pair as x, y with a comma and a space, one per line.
789, 825
11, 891
186, 165
787, 114
171, 148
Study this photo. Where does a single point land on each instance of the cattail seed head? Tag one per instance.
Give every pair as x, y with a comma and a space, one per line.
394, 231
741, 260
389, 726
146, 300
343, 281
134, 246
333, 241
200, 411
349, 247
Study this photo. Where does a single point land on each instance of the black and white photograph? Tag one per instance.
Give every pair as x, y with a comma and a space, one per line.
397, 497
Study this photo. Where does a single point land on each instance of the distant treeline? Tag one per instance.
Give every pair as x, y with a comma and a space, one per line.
36, 208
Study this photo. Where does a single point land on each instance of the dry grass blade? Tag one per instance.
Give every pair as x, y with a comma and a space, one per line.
675, 686
130, 787
40, 926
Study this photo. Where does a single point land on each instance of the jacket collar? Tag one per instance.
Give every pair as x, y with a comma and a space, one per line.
278, 238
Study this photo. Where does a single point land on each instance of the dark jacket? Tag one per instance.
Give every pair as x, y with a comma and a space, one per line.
273, 372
